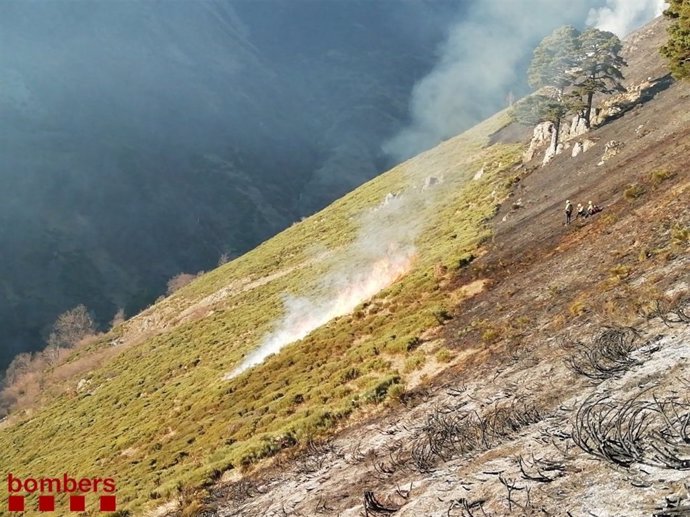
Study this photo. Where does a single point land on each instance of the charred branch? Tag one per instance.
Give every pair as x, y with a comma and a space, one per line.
448, 432
652, 432
375, 508
540, 470
608, 355
468, 508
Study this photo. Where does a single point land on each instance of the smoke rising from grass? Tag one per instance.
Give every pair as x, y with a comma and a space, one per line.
382, 253
485, 58
623, 16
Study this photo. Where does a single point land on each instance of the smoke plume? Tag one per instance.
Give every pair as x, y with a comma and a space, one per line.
484, 59
623, 16
382, 253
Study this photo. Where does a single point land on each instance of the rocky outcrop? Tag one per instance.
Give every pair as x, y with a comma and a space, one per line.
578, 127
611, 108
577, 149
581, 147
616, 105
611, 149
542, 134
545, 132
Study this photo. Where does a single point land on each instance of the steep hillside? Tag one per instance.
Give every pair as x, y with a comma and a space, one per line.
161, 388
472, 383
568, 391
143, 139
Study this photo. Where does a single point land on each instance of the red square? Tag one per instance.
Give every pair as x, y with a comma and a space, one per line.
46, 503
108, 503
15, 503
77, 503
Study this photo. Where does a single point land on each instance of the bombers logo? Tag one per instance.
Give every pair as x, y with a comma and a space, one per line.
47, 488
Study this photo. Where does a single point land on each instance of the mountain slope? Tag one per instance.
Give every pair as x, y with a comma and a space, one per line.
168, 364
482, 292
531, 418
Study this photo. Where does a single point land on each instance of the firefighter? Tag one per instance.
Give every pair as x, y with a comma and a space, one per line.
568, 212
581, 211
592, 209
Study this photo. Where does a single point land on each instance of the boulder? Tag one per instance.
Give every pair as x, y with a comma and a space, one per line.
611, 149
581, 147
578, 148
542, 134
587, 144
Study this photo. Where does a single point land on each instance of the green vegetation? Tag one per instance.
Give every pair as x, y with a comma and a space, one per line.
634, 191
159, 415
599, 67
658, 176
568, 69
680, 235
677, 49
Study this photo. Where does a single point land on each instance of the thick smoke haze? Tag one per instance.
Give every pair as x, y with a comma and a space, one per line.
484, 58
143, 139
624, 16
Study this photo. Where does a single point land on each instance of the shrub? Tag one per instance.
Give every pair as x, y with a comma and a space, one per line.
414, 362
442, 316
71, 327
179, 281
444, 355
619, 272
577, 308
465, 260
413, 344
396, 392
491, 335
634, 191
658, 176
381, 389
680, 235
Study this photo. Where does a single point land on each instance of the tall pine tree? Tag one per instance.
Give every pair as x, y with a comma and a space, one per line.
551, 70
599, 68
677, 49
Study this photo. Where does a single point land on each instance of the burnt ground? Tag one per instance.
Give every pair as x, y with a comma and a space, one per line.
570, 391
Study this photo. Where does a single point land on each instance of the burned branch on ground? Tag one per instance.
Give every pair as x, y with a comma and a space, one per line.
540, 470
315, 455
355, 455
449, 432
468, 508
673, 506
373, 507
672, 312
607, 356
512, 487
637, 430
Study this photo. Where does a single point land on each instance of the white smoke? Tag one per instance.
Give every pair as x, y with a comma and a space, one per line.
382, 253
484, 58
624, 16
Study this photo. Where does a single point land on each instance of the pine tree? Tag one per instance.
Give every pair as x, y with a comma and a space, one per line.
599, 66
677, 49
551, 71
539, 108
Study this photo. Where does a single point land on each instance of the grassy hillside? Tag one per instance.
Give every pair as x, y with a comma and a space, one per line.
156, 411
